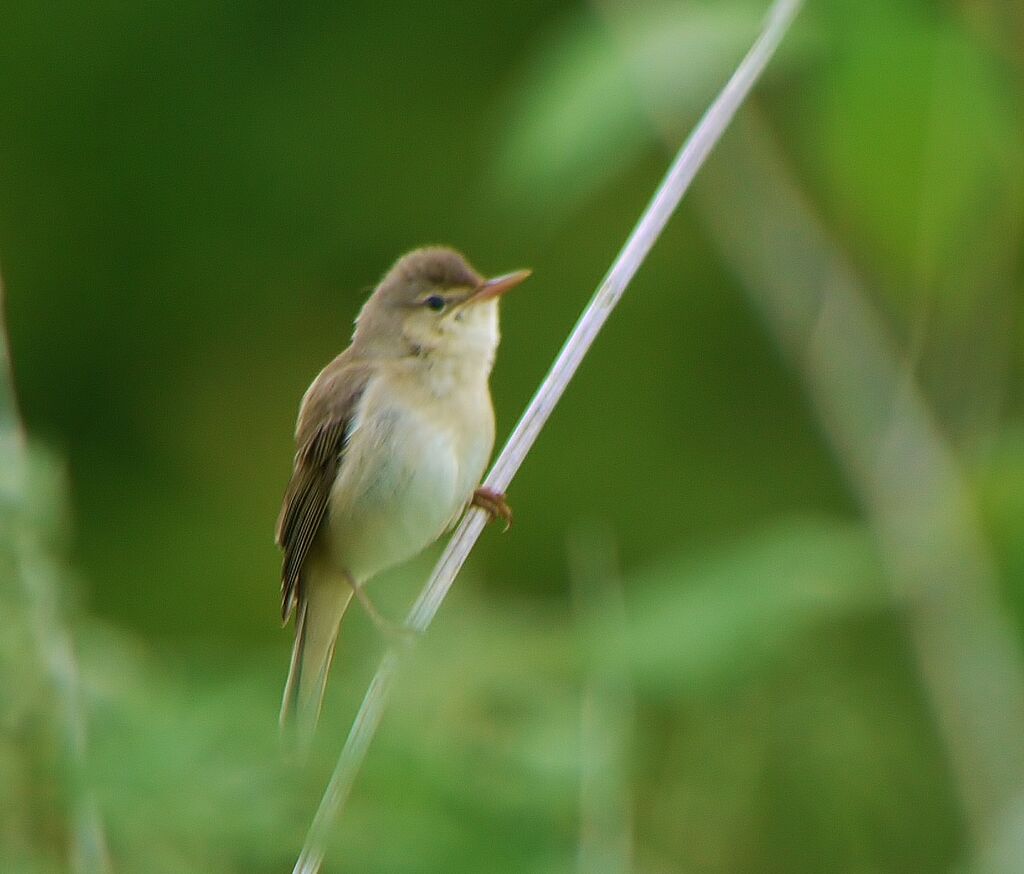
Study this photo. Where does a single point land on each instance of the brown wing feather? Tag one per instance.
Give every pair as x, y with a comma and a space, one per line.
324, 421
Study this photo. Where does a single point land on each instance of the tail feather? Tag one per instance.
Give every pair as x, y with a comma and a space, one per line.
317, 620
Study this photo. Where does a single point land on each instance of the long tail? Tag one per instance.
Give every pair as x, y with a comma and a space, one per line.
318, 617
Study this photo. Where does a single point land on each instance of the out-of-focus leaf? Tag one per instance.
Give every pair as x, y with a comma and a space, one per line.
1003, 849
716, 621
585, 109
52, 816
1000, 481
924, 155
187, 760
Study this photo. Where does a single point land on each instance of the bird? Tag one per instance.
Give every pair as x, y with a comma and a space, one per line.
392, 440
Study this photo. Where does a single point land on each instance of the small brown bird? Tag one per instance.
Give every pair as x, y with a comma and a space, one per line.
392, 439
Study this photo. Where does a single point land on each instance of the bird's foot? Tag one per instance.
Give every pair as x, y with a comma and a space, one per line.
395, 633
494, 504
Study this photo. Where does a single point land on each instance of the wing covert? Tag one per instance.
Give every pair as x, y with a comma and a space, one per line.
307, 497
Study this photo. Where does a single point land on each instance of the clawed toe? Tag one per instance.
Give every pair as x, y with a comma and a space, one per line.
494, 504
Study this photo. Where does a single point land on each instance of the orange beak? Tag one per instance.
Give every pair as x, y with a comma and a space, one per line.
496, 287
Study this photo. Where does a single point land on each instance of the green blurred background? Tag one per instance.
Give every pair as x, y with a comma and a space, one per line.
761, 608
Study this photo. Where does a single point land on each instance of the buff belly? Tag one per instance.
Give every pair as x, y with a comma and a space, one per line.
402, 483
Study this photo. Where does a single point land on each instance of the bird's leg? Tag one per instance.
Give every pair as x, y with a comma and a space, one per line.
494, 503
393, 631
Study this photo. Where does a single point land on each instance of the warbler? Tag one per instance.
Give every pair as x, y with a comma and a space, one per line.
392, 440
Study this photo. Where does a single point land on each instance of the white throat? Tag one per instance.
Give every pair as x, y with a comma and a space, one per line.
461, 355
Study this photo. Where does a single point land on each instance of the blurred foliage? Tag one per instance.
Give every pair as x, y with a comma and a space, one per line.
194, 201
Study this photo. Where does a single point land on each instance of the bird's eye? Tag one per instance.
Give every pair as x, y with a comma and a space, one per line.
435, 302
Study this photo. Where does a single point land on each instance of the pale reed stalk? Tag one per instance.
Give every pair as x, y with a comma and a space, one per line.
677, 180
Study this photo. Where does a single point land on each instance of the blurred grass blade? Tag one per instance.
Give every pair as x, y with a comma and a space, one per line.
684, 168
31, 504
579, 115
907, 476
701, 625
607, 718
12, 438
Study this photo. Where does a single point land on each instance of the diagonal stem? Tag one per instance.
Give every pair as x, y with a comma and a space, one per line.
646, 232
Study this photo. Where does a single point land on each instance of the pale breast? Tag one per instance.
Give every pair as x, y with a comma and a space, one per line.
409, 469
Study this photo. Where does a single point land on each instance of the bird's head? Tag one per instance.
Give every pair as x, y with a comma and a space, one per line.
432, 302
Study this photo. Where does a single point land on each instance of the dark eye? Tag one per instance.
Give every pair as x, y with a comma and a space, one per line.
435, 302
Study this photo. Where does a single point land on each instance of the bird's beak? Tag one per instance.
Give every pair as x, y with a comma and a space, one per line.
496, 287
